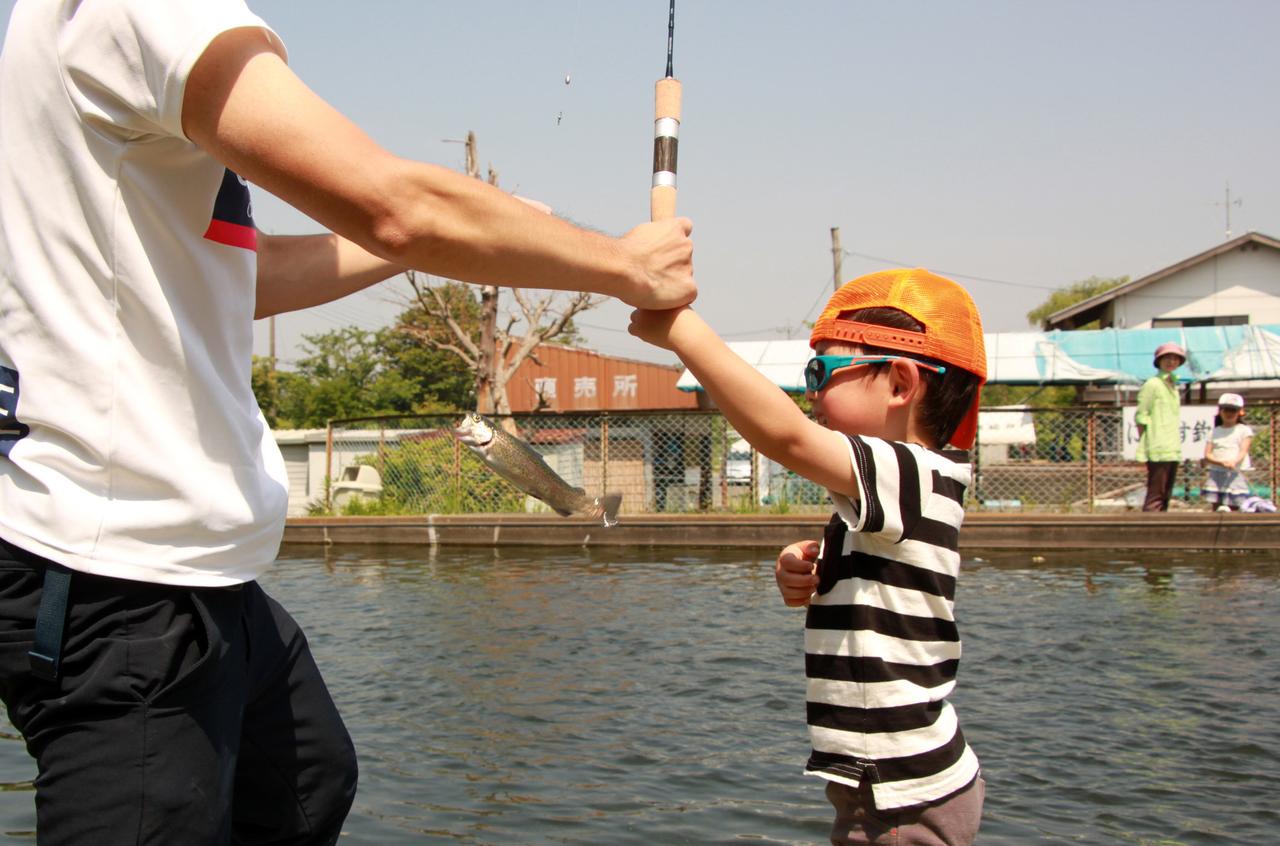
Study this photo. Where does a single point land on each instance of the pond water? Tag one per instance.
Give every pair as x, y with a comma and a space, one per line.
545, 696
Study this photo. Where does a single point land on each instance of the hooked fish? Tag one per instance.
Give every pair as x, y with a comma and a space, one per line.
522, 466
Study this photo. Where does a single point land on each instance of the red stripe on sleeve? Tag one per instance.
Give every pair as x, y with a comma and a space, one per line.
233, 234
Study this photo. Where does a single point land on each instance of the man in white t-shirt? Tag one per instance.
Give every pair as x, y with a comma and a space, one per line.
164, 696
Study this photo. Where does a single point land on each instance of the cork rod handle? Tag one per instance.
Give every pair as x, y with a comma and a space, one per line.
666, 134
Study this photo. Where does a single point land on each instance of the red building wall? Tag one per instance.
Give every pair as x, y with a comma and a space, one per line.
570, 379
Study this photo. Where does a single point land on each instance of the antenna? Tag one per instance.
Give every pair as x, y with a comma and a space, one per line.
1227, 204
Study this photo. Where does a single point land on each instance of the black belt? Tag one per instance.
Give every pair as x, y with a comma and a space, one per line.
51, 620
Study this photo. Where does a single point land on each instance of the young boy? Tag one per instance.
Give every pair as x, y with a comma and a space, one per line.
899, 366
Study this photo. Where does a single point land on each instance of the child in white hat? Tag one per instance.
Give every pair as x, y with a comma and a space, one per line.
1227, 454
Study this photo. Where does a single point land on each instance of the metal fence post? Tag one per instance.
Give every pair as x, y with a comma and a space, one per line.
604, 451
382, 451
1093, 467
1274, 475
328, 464
754, 491
457, 475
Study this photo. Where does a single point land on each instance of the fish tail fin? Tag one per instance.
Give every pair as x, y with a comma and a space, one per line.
609, 505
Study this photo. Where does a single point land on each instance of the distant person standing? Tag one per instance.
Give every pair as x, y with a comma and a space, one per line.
1158, 419
1227, 455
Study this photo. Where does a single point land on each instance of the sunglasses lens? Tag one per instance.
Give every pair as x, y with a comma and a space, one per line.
814, 373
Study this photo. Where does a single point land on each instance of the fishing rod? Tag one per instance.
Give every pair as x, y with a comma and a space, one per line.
666, 132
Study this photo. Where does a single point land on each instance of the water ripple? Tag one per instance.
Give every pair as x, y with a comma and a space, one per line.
538, 697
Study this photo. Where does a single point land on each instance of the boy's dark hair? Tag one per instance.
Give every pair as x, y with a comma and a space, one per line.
947, 396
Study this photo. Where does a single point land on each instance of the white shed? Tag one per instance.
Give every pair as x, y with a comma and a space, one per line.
303, 451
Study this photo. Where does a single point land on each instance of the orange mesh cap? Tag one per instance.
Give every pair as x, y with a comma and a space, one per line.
952, 326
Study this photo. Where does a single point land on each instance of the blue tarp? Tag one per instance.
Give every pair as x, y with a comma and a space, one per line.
1100, 356
1118, 356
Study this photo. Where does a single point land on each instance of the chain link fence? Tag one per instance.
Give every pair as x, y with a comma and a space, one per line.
1028, 460
1083, 459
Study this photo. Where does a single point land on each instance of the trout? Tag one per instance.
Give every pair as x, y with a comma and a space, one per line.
522, 466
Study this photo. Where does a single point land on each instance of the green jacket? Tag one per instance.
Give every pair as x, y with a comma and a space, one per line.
1158, 410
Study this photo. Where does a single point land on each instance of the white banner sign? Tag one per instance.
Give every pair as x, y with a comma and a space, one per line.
1195, 429
1014, 426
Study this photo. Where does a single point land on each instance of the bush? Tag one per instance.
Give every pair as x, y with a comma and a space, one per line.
432, 474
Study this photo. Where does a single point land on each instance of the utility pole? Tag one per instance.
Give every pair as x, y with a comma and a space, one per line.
1227, 204
488, 309
837, 257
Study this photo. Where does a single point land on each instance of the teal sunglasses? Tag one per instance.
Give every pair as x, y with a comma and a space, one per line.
820, 368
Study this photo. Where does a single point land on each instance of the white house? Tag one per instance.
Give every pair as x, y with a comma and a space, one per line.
1236, 282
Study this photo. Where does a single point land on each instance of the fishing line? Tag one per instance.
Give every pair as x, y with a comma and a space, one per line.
572, 63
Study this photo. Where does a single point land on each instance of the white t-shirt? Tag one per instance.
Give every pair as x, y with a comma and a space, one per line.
131, 444
1226, 442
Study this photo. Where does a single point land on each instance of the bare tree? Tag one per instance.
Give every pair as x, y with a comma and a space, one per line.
492, 352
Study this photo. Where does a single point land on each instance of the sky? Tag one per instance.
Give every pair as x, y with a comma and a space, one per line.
1015, 146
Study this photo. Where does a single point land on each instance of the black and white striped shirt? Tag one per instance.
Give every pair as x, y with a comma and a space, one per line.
881, 645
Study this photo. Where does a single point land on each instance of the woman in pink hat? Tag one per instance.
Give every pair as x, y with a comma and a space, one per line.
1158, 419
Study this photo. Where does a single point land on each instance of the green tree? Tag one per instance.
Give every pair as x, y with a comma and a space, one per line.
344, 373
447, 383
1037, 396
265, 387
1072, 294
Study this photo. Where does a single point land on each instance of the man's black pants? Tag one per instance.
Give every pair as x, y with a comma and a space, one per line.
181, 716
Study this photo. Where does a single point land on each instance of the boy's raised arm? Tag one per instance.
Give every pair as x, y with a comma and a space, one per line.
759, 410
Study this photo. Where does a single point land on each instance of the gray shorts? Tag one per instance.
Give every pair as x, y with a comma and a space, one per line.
952, 821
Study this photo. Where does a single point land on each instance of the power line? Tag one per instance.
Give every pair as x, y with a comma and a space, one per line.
822, 292
739, 334
897, 263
